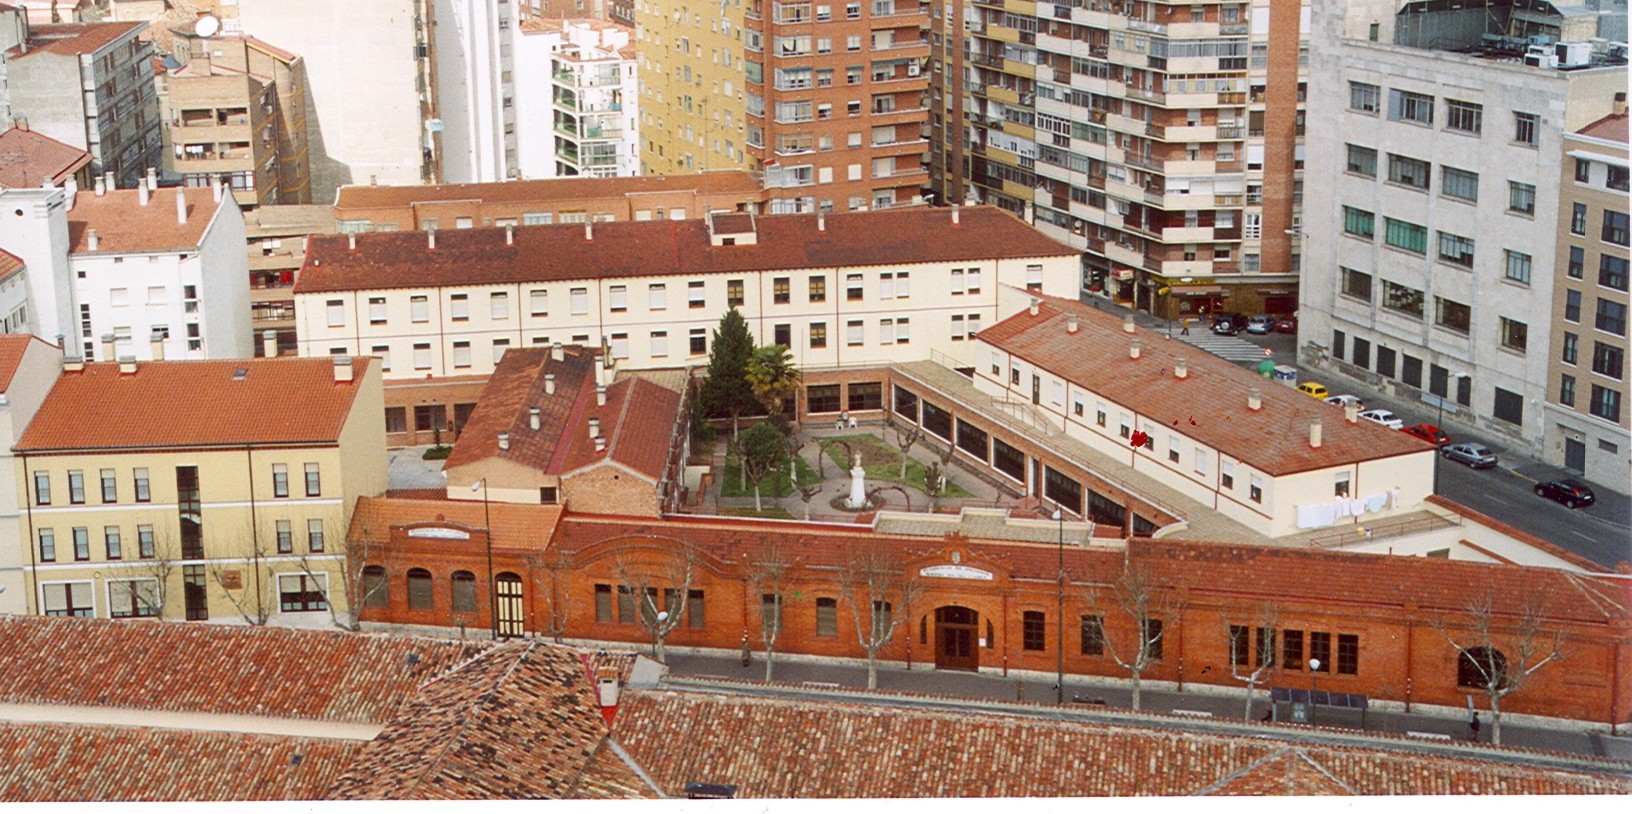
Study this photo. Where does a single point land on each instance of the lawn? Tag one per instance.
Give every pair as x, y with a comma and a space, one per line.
776, 512
882, 461
774, 485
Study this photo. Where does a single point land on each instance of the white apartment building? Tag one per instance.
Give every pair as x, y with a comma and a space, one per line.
1429, 254
850, 290
28, 367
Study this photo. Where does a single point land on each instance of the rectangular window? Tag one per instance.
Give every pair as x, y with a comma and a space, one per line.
1615, 227
1452, 315
697, 341
498, 305
1255, 489
459, 307
1456, 249
1407, 106
1606, 403
1292, 649
578, 301
42, 489
827, 617
110, 490
76, 486
657, 297
1320, 649
301, 592
1612, 272
781, 291
853, 333
538, 302
419, 309
1521, 198
1063, 490
336, 312
1570, 344
1364, 98
1607, 359
1515, 335
1093, 635
1577, 264
866, 396
1403, 235
133, 598
314, 481
1362, 161
113, 545
1008, 460
733, 293
82, 544
1578, 219
818, 289
603, 603
1526, 126
972, 281
823, 398
695, 294
1460, 184
144, 542
1356, 284
1359, 222
695, 618
280, 480
1401, 298
1611, 317
1508, 406
1411, 172
1566, 390
48, 545
143, 493
852, 287
314, 535
1226, 473
285, 535
818, 334
1518, 267
1465, 117
937, 421
1348, 654
1034, 631
1153, 638
68, 599
972, 440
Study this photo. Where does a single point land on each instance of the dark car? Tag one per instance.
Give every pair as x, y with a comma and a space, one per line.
1286, 325
1429, 433
1569, 491
1477, 456
1229, 324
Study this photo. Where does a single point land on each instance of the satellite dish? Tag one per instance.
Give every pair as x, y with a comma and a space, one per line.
207, 26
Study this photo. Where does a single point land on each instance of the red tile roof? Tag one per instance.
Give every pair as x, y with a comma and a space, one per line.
123, 225
1274, 439
515, 525
518, 722
639, 422
56, 763
1609, 128
195, 404
73, 39
555, 190
12, 349
1289, 772
799, 748
175, 667
28, 158
518, 384
908, 235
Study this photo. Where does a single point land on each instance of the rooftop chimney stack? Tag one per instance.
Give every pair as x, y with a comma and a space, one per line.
600, 445
73, 364
594, 428
504, 440
1619, 108
1255, 399
532, 418
430, 238
1314, 432
1351, 413
107, 178
152, 179
101, 186
142, 192
342, 369
92, 242
215, 190
1181, 369
549, 384
269, 343
351, 241
600, 395
1127, 324
181, 206
72, 186
954, 214
589, 230
1032, 309
1071, 323
155, 344
108, 341
509, 235
127, 365
558, 353
1133, 349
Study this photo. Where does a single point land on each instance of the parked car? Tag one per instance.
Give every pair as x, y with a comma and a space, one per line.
1429, 433
1345, 400
1286, 325
1383, 417
1477, 456
1260, 324
1228, 324
1568, 491
1313, 389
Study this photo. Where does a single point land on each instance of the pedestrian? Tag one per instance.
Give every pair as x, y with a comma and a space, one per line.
747, 652
1184, 327
1473, 727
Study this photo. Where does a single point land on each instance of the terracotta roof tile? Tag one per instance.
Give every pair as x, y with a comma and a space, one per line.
9, 264
386, 260
1274, 439
28, 158
173, 667
123, 225
1609, 128
1289, 772
518, 383
518, 722
12, 349
73, 39
609, 777
66, 763
195, 403
555, 190
638, 421
515, 525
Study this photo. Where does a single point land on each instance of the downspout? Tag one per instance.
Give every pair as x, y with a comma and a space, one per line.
254, 526
31, 583
1410, 647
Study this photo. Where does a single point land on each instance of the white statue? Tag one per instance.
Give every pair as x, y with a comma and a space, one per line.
858, 485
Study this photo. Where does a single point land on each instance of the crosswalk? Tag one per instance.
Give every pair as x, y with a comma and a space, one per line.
1233, 348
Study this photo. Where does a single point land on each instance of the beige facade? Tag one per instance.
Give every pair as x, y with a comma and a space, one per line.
1586, 417
692, 99
276, 237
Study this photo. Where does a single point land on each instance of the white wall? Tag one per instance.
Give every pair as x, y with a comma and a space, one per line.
40, 237
468, 87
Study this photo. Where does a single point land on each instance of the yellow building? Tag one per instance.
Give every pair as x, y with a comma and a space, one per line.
692, 102
199, 489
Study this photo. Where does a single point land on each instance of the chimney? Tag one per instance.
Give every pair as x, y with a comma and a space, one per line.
504, 440
609, 692
107, 346
342, 368
101, 186
430, 238
215, 190
1314, 432
152, 179
351, 241
589, 230
1127, 324
1181, 369
532, 418
509, 235
269, 343
594, 428
557, 353
600, 445
156, 344
142, 191
821, 222
1033, 308
1070, 323
181, 206
127, 365
1133, 349
600, 395
954, 214
72, 364
107, 178
71, 184
1619, 107
1351, 413
549, 384
92, 242
1255, 399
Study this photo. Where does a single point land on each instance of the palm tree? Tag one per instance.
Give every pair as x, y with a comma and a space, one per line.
772, 376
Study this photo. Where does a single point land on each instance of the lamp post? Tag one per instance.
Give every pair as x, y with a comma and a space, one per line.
1059, 612
1314, 686
492, 590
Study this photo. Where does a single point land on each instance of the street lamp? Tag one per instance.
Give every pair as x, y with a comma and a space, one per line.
487, 532
1314, 686
1059, 612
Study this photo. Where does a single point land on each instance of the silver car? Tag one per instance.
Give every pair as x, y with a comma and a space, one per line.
1477, 456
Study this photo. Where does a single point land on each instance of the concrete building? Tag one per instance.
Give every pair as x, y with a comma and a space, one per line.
89, 85
1430, 258
237, 115
369, 208
693, 61
28, 367
1585, 419
191, 490
1166, 141
276, 239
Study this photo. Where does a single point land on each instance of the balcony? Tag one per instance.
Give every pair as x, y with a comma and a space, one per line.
1145, 94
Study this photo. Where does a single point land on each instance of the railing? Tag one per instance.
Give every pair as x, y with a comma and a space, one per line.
1153, 28
1364, 533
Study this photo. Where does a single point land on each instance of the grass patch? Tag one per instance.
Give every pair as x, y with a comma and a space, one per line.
438, 453
776, 512
882, 462
774, 485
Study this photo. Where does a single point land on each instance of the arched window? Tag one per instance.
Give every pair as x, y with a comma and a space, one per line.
464, 592
1481, 667
376, 594
419, 589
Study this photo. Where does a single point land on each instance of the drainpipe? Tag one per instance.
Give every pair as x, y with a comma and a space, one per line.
33, 565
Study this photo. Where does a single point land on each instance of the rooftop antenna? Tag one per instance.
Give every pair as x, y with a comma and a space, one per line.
207, 26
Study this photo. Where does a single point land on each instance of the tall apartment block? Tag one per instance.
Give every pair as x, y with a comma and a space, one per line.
1585, 414
692, 100
1432, 238
1164, 140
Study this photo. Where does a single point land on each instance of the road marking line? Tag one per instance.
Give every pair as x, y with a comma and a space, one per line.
1583, 536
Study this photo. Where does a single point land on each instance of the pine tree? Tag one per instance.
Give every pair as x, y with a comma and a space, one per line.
726, 390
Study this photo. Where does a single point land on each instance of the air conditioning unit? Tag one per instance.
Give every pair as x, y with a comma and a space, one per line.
913, 69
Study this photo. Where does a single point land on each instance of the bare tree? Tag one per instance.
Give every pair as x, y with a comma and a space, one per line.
247, 592
904, 441
935, 478
158, 563
672, 577
1265, 622
1480, 638
770, 575
355, 556
556, 562
880, 594
1151, 608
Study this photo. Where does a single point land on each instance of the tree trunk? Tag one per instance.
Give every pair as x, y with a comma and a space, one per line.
1248, 714
757, 507
770, 663
1495, 719
872, 671
662, 656
1136, 690
903, 466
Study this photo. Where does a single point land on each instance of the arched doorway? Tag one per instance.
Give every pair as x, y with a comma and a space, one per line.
956, 639
509, 618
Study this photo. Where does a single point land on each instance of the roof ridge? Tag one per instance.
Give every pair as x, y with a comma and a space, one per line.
1300, 752
1239, 773
433, 765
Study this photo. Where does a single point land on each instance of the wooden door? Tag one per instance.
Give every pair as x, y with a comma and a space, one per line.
956, 640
